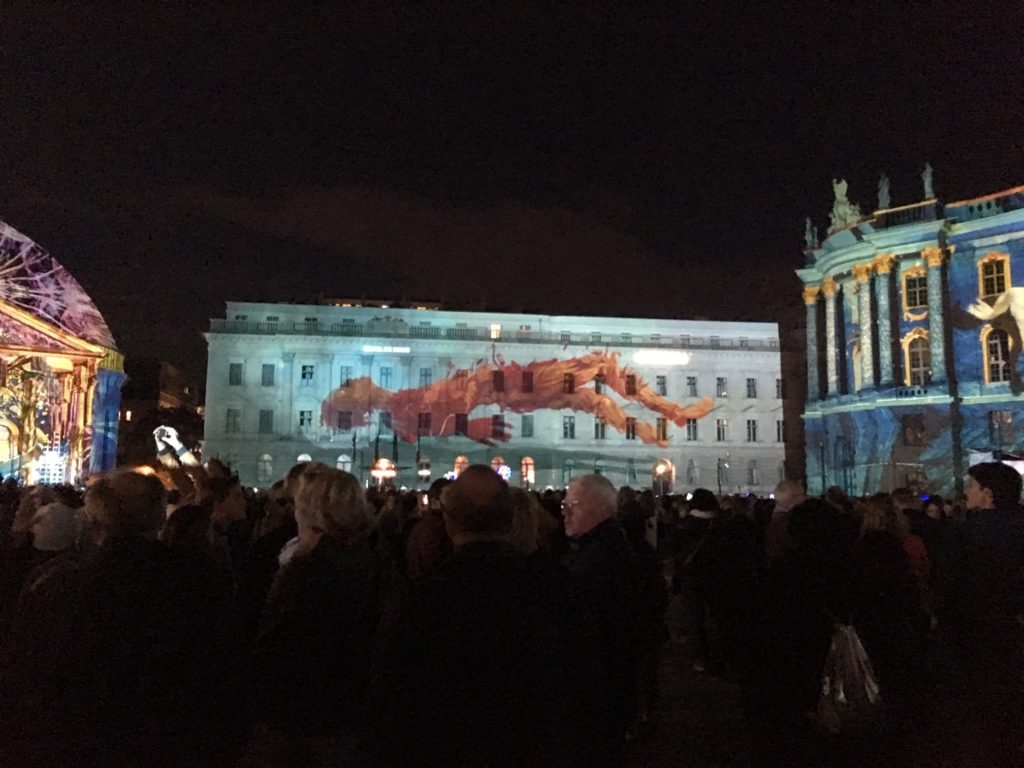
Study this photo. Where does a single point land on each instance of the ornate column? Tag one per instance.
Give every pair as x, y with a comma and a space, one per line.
811, 302
862, 272
883, 266
829, 288
934, 258
285, 428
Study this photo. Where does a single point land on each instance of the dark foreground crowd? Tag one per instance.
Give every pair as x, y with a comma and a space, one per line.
317, 624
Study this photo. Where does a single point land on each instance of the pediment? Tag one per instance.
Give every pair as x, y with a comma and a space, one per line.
21, 331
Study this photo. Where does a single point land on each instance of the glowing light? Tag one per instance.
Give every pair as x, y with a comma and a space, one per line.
495, 330
127, 415
661, 469
504, 472
383, 469
371, 349
662, 357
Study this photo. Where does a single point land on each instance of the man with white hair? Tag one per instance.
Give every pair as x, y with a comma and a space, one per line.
603, 569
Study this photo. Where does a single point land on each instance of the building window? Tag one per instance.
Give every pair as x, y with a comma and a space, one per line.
691, 472
527, 469
235, 374
527, 381
264, 468
661, 428
1000, 429
630, 383
779, 391
568, 383
780, 431
996, 347
384, 421
266, 422
426, 377
498, 381
600, 427
915, 289
751, 430
495, 330
526, 427
722, 430
691, 430
385, 376
661, 385
423, 423
267, 378
305, 420
992, 275
918, 358
307, 375
345, 421
630, 428
461, 378
721, 388
752, 475
751, 388
233, 421
913, 429
345, 375
498, 426
599, 384
568, 468
569, 427
691, 386
461, 423
343, 462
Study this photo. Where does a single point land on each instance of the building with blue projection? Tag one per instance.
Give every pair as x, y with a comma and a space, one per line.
914, 334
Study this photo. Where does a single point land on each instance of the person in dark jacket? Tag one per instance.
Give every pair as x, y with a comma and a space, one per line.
122, 656
315, 637
604, 572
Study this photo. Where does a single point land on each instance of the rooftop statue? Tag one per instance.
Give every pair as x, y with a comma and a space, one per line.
926, 177
843, 213
810, 234
884, 200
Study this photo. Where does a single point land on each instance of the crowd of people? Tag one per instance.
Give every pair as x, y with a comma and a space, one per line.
181, 619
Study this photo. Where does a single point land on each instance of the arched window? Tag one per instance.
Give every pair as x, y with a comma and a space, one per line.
496, 462
917, 358
527, 468
997, 355
567, 471
344, 463
304, 457
461, 463
264, 468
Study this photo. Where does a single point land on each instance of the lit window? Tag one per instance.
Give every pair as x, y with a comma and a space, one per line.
127, 415
630, 428
992, 274
691, 430
722, 429
495, 330
527, 467
569, 427
661, 426
915, 291
919, 361
751, 430
344, 463
997, 356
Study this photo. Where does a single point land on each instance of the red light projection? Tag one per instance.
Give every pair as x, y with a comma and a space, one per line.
431, 410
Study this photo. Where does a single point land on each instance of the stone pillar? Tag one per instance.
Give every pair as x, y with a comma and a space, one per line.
883, 266
829, 288
285, 427
867, 325
934, 258
811, 302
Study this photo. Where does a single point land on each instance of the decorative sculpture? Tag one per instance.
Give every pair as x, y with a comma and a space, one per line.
884, 199
926, 177
810, 234
843, 213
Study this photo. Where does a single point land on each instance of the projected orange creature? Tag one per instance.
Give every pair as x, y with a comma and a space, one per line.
576, 384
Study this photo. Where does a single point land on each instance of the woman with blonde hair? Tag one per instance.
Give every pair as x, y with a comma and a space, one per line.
316, 633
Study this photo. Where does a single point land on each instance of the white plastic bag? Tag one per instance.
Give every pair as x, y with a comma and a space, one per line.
850, 699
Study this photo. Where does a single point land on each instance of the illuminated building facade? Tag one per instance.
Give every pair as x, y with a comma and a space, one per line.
60, 372
914, 331
667, 404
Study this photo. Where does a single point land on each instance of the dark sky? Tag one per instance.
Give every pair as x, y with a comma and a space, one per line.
175, 157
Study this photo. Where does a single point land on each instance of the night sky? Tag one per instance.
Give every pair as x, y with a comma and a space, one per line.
617, 162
